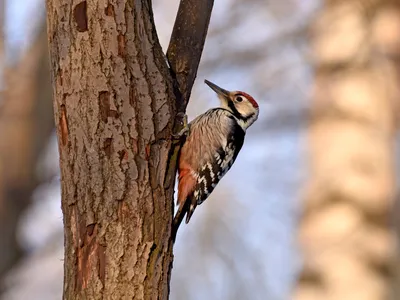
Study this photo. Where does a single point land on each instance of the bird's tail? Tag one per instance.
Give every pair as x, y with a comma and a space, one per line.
180, 214
191, 207
185, 196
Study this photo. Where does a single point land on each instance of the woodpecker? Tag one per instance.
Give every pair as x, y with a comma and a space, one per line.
212, 144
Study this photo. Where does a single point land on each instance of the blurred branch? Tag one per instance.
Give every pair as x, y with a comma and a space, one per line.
260, 52
2, 50
187, 43
25, 126
2, 27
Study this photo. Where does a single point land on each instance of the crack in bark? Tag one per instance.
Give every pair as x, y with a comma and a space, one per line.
63, 124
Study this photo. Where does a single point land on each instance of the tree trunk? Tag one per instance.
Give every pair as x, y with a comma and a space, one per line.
115, 107
347, 242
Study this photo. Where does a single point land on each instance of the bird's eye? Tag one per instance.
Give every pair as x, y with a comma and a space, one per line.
239, 99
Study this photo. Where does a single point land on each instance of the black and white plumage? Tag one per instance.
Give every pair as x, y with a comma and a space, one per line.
216, 164
213, 142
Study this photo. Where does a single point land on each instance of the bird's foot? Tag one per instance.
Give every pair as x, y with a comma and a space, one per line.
184, 125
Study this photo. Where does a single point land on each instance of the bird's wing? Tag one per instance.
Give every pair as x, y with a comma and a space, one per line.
210, 172
214, 141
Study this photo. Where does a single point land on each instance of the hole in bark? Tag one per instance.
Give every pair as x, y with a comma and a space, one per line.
107, 146
147, 151
80, 16
121, 45
104, 105
132, 97
123, 154
90, 229
109, 11
101, 253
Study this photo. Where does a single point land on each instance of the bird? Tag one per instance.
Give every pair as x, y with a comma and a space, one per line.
213, 142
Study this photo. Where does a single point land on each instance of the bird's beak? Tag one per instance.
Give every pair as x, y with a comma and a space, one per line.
223, 94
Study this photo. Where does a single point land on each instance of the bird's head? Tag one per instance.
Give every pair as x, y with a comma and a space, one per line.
240, 104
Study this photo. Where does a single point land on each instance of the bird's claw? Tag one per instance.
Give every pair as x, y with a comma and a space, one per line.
185, 127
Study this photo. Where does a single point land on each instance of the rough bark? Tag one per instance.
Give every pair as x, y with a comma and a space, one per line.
348, 245
115, 107
26, 122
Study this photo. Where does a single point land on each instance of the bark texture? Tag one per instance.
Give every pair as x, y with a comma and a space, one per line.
115, 106
348, 245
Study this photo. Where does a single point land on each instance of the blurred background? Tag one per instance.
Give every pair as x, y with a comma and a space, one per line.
310, 209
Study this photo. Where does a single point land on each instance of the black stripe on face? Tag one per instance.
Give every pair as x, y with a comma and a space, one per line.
236, 112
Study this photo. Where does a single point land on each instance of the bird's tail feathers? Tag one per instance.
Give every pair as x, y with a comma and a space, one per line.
191, 208
180, 214
185, 198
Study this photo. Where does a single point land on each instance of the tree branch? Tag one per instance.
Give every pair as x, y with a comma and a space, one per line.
186, 45
184, 53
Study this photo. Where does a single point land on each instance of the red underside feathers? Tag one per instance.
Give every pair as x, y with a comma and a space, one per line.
186, 182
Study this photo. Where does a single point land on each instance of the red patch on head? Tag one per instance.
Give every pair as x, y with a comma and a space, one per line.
250, 98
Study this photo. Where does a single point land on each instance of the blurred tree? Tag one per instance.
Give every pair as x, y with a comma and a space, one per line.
115, 104
25, 125
2, 50
347, 242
